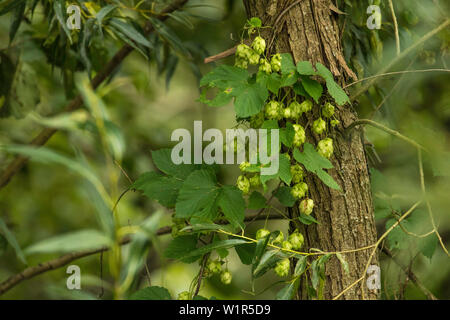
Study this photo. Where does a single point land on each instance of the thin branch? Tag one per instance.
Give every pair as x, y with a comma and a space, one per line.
410, 274
77, 102
395, 73
394, 18
369, 261
430, 213
57, 263
384, 128
401, 56
223, 54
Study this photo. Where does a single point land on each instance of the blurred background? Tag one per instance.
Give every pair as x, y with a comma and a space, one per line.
146, 102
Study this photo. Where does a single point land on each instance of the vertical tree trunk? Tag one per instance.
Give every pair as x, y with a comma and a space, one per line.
308, 30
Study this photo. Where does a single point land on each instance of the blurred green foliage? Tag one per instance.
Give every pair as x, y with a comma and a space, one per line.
155, 91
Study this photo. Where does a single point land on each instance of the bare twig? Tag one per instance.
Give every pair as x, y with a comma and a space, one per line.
57, 263
410, 274
401, 56
395, 73
394, 19
369, 261
384, 128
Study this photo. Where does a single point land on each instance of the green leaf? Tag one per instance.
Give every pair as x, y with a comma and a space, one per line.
233, 205
151, 293
137, 252
315, 274
59, 7
9, 236
284, 171
305, 68
267, 262
163, 161
69, 242
300, 266
397, 239
287, 135
299, 90
200, 227
246, 252
182, 246
312, 87
225, 76
287, 64
10, 5
221, 99
288, 292
45, 155
197, 196
251, 100
285, 197
274, 83
164, 31
337, 93
256, 201
344, 263
159, 187
289, 79
16, 20
128, 30
223, 244
307, 219
427, 246
334, 89
315, 163
104, 12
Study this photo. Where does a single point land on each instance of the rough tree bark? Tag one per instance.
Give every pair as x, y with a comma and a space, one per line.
308, 30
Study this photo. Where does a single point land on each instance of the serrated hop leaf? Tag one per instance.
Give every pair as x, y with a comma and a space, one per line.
243, 184
334, 123
296, 239
297, 173
273, 110
319, 126
214, 267
243, 51
264, 66
306, 106
259, 45
253, 58
299, 136
299, 190
275, 62
241, 63
257, 120
325, 148
306, 206
185, 295
255, 181
226, 277
244, 165
328, 110
282, 267
279, 239
262, 233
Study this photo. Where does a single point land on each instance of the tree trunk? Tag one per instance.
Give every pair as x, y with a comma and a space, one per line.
308, 30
